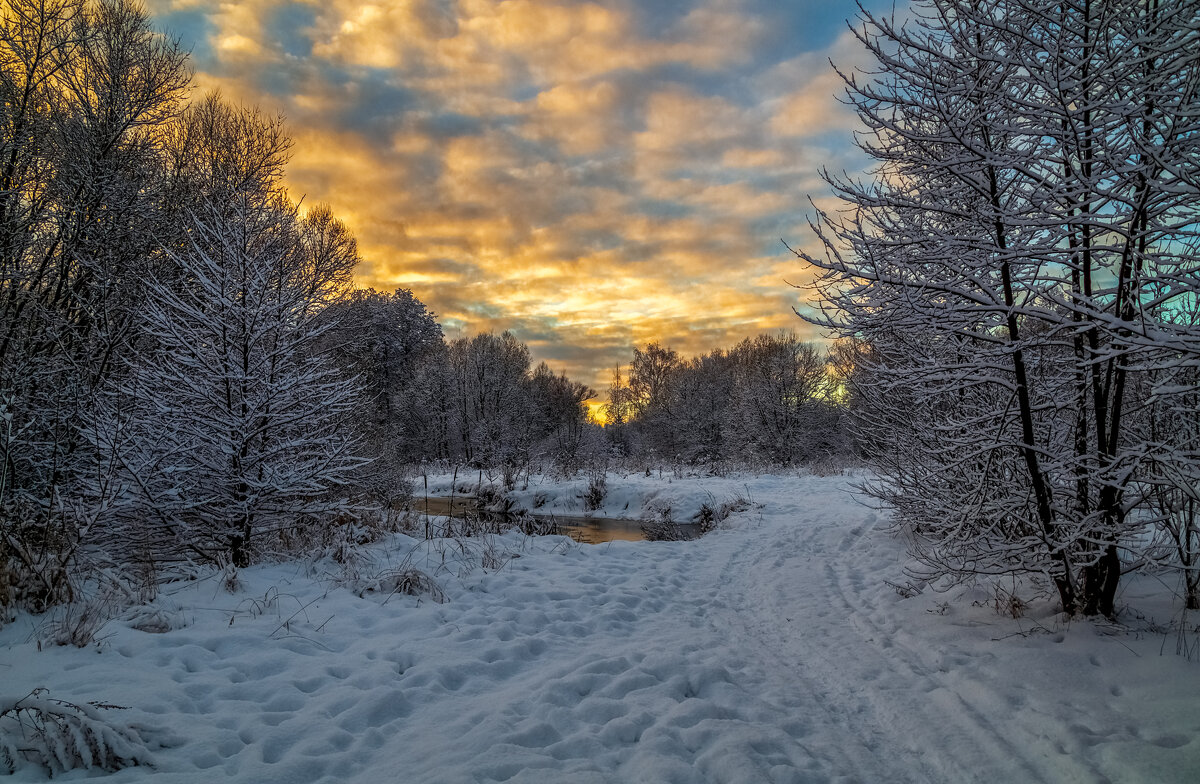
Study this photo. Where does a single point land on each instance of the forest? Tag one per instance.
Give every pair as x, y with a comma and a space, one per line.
187, 372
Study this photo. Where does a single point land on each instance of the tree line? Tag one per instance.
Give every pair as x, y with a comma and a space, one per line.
471, 401
1018, 283
770, 400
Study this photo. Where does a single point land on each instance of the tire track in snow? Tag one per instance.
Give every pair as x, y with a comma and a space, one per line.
750, 611
825, 639
961, 725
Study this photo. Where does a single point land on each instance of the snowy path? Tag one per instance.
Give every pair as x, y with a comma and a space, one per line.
770, 652
835, 653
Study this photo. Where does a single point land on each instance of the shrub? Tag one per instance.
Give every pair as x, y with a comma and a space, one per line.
713, 513
406, 580
597, 489
75, 623
62, 736
662, 527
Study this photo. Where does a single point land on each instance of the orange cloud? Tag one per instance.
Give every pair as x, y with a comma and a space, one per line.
565, 169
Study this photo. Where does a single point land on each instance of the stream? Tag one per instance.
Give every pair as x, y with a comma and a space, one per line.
582, 528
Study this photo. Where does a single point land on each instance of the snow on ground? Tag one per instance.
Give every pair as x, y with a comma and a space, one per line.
772, 650
629, 496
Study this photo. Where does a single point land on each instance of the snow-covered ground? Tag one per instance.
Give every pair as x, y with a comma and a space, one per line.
631, 496
772, 650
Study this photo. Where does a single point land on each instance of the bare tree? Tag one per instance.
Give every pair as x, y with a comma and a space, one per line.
652, 375
489, 375
1019, 259
705, 388
385, 340
561, 416
84, 90
775, 410
618, 412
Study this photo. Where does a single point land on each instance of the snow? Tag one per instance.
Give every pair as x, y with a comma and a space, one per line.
627, 496
775, 649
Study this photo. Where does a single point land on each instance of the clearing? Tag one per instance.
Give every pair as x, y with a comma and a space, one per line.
771, 650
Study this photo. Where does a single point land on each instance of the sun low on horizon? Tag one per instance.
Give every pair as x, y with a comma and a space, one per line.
589, 175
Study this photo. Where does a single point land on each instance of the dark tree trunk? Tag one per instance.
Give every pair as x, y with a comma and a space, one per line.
239, 549
1100, 581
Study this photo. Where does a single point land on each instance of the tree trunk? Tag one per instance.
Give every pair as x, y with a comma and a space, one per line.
1100, 581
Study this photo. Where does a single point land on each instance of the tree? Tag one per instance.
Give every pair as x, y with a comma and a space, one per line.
239, 430
704, 389
494, 409
768, 399
617, 413
384, 340
85, 89
1170, 480
1019, 259
216, 150
775, 406
651, 396
561, 415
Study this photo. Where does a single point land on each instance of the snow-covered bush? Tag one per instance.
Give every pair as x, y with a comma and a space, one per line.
713, 512
661, 526
406, 580
593, 496
75, 623
61, 736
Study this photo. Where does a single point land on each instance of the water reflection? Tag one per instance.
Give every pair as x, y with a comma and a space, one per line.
585, 529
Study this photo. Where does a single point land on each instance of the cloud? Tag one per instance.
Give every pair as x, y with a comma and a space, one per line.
580, 118
592, 175
809, 111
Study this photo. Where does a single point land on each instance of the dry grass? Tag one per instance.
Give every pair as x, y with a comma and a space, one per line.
60, 736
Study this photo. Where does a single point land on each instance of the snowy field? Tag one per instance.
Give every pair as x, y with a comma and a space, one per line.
776, 649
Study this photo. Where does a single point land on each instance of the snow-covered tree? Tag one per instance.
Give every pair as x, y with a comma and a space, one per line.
216, 150
1019, 258
242, 427
494, 409
652, 399
617, 413
704, 389
767, 400
384, 340
85, 89
1169, 480
776, 412
561, 417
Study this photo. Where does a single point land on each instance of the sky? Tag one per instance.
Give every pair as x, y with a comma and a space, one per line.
590, 175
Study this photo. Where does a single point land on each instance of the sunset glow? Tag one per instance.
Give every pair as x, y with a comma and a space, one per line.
589, 175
